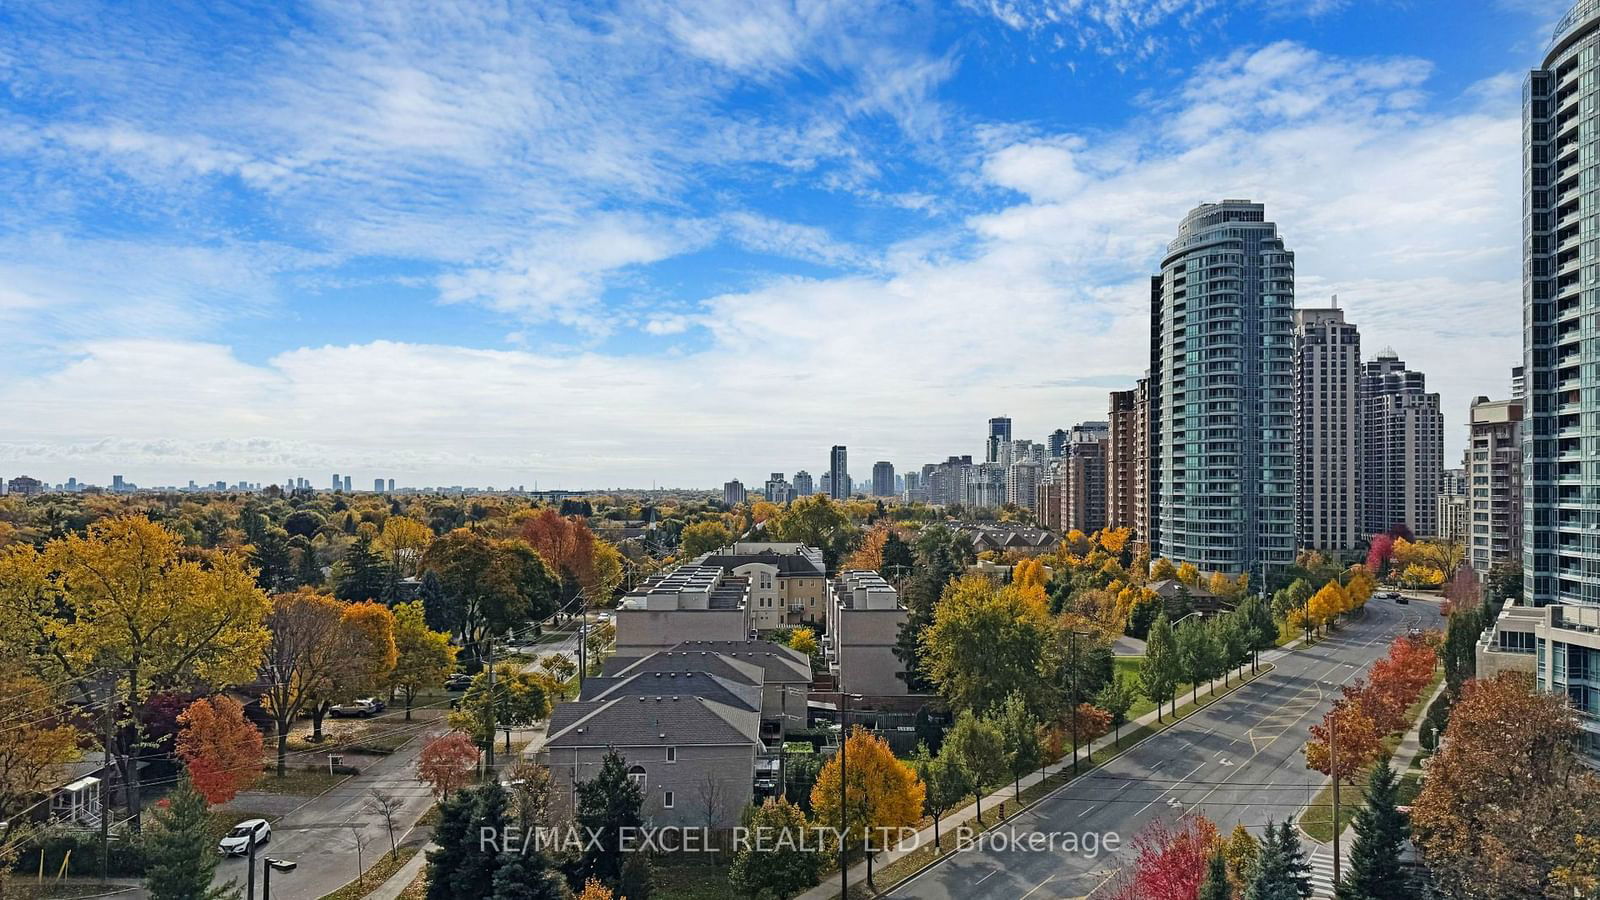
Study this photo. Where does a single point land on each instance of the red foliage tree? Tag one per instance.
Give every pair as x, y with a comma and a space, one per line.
447, 761
1462, 592
220, 748
1171, 860
1357, 741
1381, 548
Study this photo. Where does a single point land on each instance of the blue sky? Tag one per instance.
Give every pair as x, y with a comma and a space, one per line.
635, 242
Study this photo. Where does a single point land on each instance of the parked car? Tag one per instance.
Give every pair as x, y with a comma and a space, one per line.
1402, 599
237, 841
376, 703
360, 709
458, 682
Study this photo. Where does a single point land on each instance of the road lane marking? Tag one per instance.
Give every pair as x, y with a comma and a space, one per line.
1036, 887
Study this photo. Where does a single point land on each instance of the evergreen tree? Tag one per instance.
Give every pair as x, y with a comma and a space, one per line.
1375, 872
363, 573
308, 573
463, 868
1297, 870
1269, 881
436, 612
1216, 886
273, 559
777, 862
897, 557
528, 876
607, 804
1460, 651
181, 856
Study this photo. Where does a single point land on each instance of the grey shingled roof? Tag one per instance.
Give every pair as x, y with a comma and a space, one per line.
711, 663
782, 665
789, 565
652, 721
730, 693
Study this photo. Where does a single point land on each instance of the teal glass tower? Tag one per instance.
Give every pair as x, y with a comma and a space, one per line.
1223, 351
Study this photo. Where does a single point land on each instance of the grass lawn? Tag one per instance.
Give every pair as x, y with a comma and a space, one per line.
1317, 819
1143, 704
376, 874
299, 782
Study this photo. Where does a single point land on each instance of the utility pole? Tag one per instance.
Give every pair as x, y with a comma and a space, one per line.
1333, 766
250, 870
108, 724
844, 816
1072, 712
488, 712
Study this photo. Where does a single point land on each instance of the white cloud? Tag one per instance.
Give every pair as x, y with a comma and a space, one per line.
1028, 309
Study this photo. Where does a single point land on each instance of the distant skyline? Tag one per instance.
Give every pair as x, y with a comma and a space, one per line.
603, 245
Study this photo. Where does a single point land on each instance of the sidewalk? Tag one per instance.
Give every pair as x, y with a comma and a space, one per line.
829, 888
402, 879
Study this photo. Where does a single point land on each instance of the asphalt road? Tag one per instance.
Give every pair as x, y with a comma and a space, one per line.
1239, 760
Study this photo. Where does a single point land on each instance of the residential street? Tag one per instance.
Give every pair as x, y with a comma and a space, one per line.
1237, 760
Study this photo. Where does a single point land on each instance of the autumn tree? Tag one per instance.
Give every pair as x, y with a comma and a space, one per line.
1506, 794
38, 740
987, 641
1355, 742
817, 522
487, 586
404, 540
301, 659
1171, 861
446, 762
804, 640
127, 599
422, 656
704, 537
883, 794
870, 554
364, 659
567, 545
219, 747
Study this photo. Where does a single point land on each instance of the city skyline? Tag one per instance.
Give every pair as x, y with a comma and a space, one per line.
210, 292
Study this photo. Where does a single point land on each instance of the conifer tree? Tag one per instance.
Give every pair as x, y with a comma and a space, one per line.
182, 859
1375, 871
1216, 886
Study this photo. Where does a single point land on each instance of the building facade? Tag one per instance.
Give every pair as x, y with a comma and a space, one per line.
732, 493
1327, 418
883, 479
839, 472
999, 436
1224, 467
1402, 459
802, 484
1084, 477
1494, 483
1122, 460
1560, 290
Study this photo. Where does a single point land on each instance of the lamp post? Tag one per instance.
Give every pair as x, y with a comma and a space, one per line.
844, 816
1072, 714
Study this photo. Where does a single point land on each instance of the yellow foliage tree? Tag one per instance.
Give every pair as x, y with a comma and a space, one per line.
1113, 540
883, 794
1163, 570
870, 554
804, 640
405, 539
1188, 574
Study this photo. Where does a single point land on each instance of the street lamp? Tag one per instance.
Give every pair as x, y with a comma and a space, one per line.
1072, 714
844, 820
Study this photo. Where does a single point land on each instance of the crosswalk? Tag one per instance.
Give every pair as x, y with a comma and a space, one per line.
1322, 872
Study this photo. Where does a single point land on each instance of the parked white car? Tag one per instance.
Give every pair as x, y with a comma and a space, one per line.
363, 708
237, 841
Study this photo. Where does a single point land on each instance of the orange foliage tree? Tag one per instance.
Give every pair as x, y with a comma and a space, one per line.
885, 794
1356, 741
567, 545
220, 748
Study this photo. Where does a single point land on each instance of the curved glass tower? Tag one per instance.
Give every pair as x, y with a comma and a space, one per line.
1224, 357
1560, 300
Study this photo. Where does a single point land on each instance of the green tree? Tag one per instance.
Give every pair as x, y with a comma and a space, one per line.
487, 586
898, 560
1281, 872
1194, 653
704, 537
273, 559
1460, 651
1260, 631
1216, 885
1162, 668
1019, 735
423, 656
519, 701
818, 522
362, 574
1116, 698
778, 862
608, 811
463, 867
1375, 871
181, 856
528, 875
944, 780
1228, 635
976, 745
